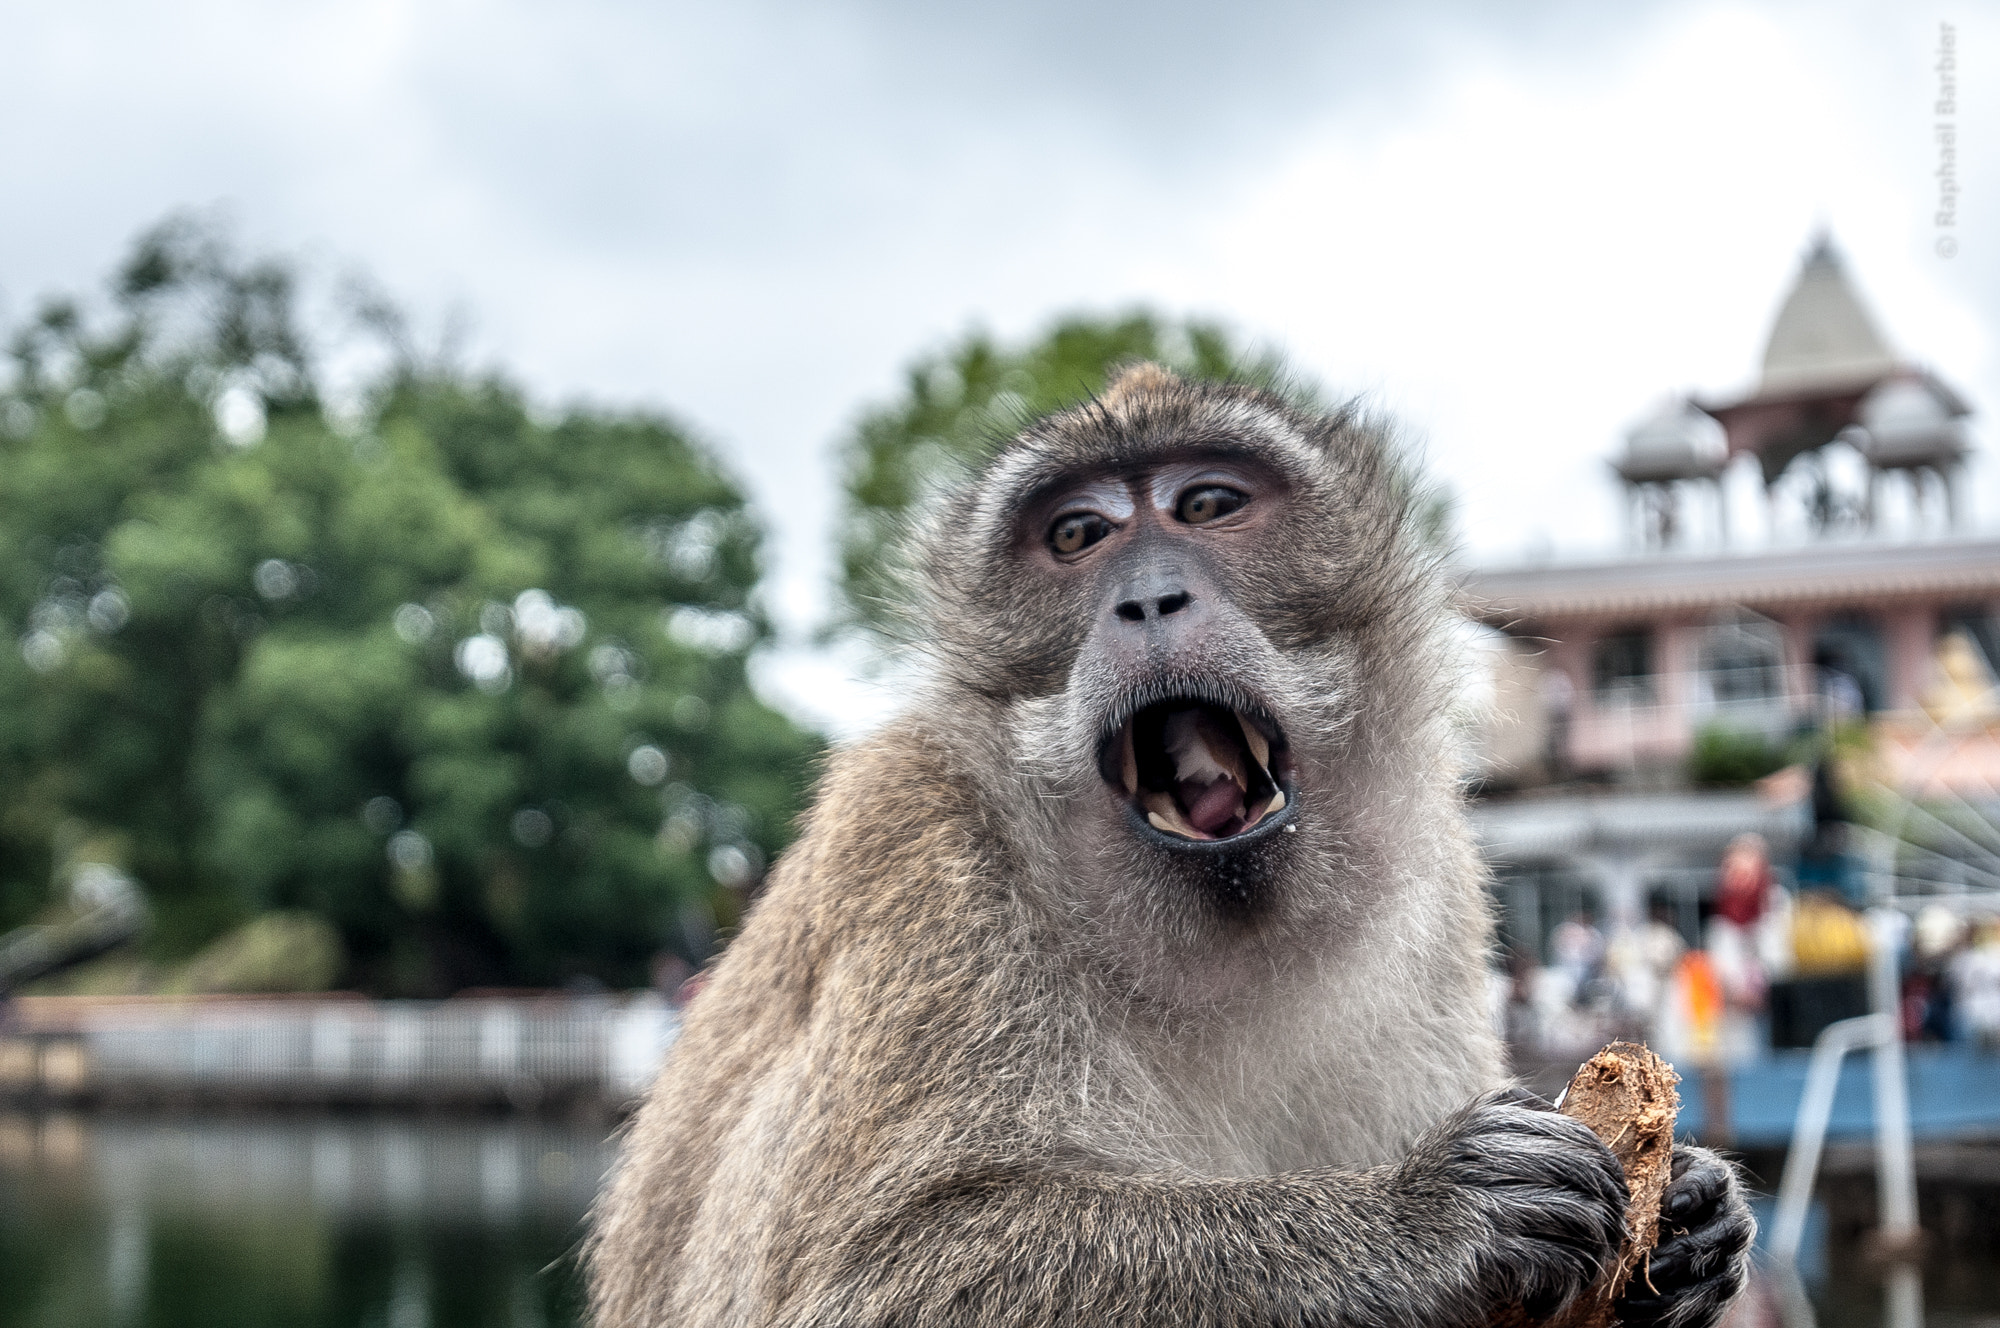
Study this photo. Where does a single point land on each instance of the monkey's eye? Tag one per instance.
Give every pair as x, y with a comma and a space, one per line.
1077, 531
1199, 506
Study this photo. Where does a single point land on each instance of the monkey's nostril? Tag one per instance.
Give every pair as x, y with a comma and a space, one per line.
1173, 603
1131, 611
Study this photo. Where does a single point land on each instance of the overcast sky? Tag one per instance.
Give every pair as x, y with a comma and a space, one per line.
1516, 226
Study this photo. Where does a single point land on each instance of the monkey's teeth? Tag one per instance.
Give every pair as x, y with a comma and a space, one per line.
1260, 746
1271, 808
1200, 773
1165, 815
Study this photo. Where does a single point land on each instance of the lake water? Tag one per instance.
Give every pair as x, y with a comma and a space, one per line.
257, 1222
404, 1222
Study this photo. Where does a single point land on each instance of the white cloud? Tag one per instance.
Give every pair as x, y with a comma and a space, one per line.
1517, 226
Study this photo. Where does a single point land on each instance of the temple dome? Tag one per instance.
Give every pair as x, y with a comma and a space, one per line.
1912, 420
1823, 335
1679, 442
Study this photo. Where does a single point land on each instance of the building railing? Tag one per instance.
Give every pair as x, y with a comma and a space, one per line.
1655, 718
518, 1052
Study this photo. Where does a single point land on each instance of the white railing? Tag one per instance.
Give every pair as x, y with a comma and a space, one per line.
519, 1051
1653, 717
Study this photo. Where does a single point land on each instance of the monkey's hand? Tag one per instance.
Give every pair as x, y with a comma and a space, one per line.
1703, 1255
1539, 1199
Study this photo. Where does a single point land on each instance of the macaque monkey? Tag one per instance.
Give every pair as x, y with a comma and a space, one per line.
1136, 975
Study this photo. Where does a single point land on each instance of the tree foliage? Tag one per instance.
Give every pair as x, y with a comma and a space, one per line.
467, 682
961, 402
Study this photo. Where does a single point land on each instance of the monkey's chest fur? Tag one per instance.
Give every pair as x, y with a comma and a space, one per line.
1322, 1078
895, 1030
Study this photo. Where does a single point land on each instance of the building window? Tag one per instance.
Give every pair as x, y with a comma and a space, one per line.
1742, 661
1621, 667
1853, 667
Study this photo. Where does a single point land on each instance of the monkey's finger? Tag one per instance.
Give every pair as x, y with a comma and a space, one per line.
1669, 1303
1690, 1255
1701, 1181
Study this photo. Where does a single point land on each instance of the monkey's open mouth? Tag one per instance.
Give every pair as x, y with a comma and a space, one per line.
1199, 771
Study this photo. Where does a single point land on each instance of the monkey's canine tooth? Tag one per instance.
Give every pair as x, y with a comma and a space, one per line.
1260, 746
1164, 815
1271, 808
1130, 759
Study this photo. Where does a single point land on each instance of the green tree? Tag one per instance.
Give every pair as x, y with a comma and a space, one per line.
467, 682
961, 402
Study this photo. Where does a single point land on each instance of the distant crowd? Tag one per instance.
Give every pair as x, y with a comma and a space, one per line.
1775, 965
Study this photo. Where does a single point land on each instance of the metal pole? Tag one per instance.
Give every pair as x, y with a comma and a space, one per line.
1809, 1128
1903, 1294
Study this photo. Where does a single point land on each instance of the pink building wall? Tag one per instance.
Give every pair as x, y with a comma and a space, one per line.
1612, 737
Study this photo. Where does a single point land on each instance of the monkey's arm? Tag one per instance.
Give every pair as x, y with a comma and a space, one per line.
1500, 1205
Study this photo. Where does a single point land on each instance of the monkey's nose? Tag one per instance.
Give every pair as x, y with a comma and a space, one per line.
1140, 608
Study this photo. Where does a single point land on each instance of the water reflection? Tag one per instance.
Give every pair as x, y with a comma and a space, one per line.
402, 1222
228, 1222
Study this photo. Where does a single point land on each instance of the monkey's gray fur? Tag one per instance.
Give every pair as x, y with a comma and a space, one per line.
987, 1053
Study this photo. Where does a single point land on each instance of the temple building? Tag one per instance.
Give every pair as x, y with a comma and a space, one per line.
1630, 658
1858, 589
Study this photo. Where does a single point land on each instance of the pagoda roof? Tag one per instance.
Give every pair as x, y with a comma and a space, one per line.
1823, 356
1823, 334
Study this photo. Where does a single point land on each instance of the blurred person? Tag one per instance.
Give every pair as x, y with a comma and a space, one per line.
1743, 887
1771, 938
1624, 974
1694, 1029
1829, 939
1743, 880
1576, 947
1824, 860
1574, 1001
1827, 979
1642, 959
1936, 939
1974, 976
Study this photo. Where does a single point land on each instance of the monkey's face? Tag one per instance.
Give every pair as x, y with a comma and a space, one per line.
1168, 596
1171, 674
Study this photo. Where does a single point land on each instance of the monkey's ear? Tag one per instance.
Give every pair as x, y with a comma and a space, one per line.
1144, 379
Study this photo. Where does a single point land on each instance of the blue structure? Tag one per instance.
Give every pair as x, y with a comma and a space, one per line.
1954, 1091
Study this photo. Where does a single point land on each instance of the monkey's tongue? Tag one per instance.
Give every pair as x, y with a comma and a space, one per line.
1211, 808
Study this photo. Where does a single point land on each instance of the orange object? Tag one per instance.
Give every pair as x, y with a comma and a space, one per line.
1695, 978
